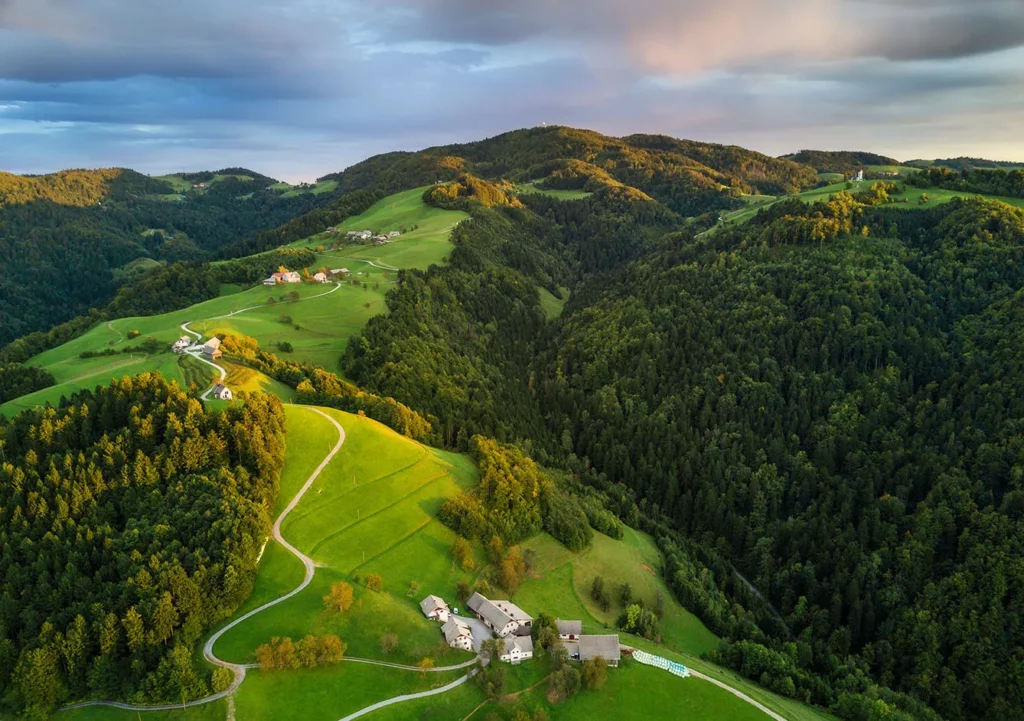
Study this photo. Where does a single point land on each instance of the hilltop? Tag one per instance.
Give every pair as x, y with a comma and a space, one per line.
687, 176
839, 161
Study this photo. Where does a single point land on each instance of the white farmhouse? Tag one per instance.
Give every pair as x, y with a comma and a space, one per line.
457, 634
517, 649
434, 608
221, 392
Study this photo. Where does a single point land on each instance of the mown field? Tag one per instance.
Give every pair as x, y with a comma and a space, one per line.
370, 511
424, 240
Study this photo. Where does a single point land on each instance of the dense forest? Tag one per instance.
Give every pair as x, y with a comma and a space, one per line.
130, 519
839, 161
827, 398
965, 163
65, 237
991, 181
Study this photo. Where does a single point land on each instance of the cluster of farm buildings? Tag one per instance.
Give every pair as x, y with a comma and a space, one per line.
291, 276
209, 350
377, 238
505, 620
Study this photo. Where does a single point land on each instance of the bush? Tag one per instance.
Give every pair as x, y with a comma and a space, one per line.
374, 582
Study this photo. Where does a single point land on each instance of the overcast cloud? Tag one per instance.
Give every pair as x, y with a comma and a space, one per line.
307, 87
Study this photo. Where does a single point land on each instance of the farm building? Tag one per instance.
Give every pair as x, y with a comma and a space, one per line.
517, 649
434, 608
221, 392
607, 647
211, 349
320, 278
394, 234
502, 617
340, 272
182, 344
457, 634
288, 276
569, 630
270, 282
332, 229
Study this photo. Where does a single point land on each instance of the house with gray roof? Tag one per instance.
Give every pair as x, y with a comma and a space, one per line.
457, 634
569, 630
434, 608
606, 647
517, 649
496, 619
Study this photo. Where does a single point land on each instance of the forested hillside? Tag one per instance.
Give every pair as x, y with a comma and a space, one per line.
843, 412
827, 399
817, 414
688, 177
130, 522
63, 237
839, 161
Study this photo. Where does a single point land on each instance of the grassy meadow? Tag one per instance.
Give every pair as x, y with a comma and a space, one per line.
74, 373
561, 585
532, 187
370, 511
551, 305
421, 247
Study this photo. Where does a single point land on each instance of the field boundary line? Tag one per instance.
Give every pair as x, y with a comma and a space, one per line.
405, 497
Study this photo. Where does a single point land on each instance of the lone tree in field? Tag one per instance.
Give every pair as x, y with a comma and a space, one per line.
388, 643
340, 597
374, 582
425, 664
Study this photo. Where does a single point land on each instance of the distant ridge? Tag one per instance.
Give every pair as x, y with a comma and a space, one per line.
839, 161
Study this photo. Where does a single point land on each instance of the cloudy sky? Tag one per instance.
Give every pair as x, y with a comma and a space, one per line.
301, 88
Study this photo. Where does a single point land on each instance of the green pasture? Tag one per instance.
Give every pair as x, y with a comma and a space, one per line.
290, 191
561, 583
902, 170
370, 511
551, 305
328, 693
74, 373
532, 187
214, 711
936, 196
428, 244
319, 327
